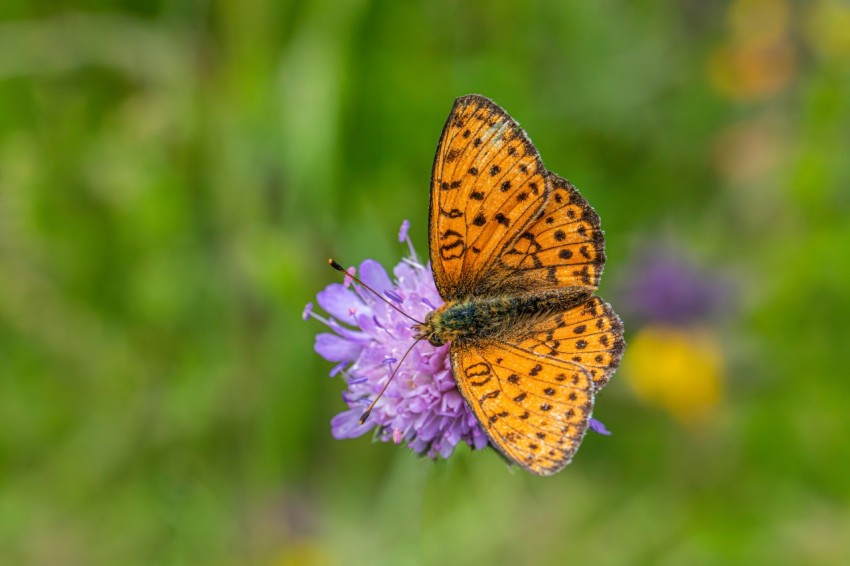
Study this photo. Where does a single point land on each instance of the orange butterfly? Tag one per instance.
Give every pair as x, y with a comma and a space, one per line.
517, 254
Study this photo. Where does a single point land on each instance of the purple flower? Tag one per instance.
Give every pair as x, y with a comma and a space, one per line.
664, 287
422, 406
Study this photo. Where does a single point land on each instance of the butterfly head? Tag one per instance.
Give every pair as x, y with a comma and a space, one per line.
430, 329
440, 326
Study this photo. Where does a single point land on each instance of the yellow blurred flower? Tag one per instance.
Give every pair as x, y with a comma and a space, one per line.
752, 70
828, 29
759, 20
758, 58
677, 369
302, 553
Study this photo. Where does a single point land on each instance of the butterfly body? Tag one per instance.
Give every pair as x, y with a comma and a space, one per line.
496, 317
517, 254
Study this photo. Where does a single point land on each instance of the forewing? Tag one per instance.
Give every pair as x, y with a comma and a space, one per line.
589, 335
535, 409
487, 185
564, 247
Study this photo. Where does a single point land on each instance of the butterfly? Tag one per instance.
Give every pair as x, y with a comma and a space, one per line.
517, 254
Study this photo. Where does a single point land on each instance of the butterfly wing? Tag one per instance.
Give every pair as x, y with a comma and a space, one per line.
589, 335
535, 409
564, 247
528, 390
487, 185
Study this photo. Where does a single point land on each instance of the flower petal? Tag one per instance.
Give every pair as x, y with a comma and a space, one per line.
598, 427
479, 439
373, 274
347, 424
335, 348
347, 333
421, 407
339, 302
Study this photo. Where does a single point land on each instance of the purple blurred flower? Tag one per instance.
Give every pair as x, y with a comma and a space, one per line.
422, 405
664, 287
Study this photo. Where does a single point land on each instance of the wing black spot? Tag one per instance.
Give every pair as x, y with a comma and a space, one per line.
491, 395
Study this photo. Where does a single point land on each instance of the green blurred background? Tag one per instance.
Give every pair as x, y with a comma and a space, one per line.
173, 176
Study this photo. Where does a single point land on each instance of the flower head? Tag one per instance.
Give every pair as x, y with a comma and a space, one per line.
663, 287
677, 369
422, 406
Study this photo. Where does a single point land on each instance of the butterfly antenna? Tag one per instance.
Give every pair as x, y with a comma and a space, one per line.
339, 268
368, 410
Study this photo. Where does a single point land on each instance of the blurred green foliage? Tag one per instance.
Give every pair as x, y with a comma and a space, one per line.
174, 175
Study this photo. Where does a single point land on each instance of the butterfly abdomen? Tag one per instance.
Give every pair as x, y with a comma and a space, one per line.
491, 317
